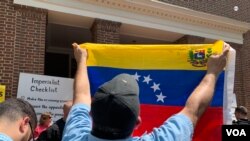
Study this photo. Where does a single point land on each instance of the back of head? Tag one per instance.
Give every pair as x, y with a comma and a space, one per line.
115, 108
15, 108
242, 110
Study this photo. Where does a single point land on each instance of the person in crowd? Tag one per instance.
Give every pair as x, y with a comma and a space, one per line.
55, 131
17, 120
115, 106
241, 116
44, 123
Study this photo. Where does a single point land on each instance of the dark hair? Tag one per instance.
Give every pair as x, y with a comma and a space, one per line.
241, 109
15, 108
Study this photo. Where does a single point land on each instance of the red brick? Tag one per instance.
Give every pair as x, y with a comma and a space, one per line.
106, 31
20, 25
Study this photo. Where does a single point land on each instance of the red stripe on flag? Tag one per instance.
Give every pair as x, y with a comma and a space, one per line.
208, 128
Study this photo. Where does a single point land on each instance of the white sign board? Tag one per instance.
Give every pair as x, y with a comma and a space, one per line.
45, 93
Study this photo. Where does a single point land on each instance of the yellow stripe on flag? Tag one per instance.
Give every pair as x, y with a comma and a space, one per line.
148, 57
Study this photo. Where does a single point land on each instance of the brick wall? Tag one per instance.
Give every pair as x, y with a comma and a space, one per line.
104, 31
246, 69
22, 43
7, 37
217, 7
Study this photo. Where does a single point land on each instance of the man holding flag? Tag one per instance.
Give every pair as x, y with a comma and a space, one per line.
115, 106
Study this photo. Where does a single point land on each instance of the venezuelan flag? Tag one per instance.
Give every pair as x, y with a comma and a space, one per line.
167, 75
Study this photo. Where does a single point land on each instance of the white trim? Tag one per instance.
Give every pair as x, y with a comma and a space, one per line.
229, 98
194, 14
87, 9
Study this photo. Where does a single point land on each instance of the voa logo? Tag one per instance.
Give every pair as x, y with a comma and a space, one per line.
236, 132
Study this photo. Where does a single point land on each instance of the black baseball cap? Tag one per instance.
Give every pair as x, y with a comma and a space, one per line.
115, 108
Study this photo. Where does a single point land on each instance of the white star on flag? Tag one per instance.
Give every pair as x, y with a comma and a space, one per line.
147, 79
136, 76
155, 87
160, 97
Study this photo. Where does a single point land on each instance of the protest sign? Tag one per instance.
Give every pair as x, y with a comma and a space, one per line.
45, 93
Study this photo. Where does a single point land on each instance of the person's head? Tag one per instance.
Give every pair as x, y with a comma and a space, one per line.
18, 119
115, 108
66, 108
45, 119
240, 112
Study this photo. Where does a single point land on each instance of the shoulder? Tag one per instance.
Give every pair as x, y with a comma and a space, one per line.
59, 122
177, 127
78, 115
4, 137
243, 122
78, 110
78, 123
52, 127
82, 106
179, 122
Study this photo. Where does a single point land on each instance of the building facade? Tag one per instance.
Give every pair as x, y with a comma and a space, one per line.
35, 35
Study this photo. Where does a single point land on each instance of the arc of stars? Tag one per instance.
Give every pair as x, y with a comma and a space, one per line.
155, 86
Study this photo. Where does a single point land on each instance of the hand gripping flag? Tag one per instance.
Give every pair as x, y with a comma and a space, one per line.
167, 75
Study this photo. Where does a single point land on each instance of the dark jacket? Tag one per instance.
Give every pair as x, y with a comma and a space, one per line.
241, 122
54, 132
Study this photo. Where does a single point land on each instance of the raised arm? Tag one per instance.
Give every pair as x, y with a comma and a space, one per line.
201, 97
81, 82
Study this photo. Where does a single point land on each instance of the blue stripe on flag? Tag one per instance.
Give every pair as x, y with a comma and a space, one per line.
161, 87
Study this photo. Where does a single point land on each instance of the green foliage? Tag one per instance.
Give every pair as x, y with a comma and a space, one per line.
191, 55
209, 52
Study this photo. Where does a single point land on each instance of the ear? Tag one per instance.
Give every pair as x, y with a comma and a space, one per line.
24, 124
138, 122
